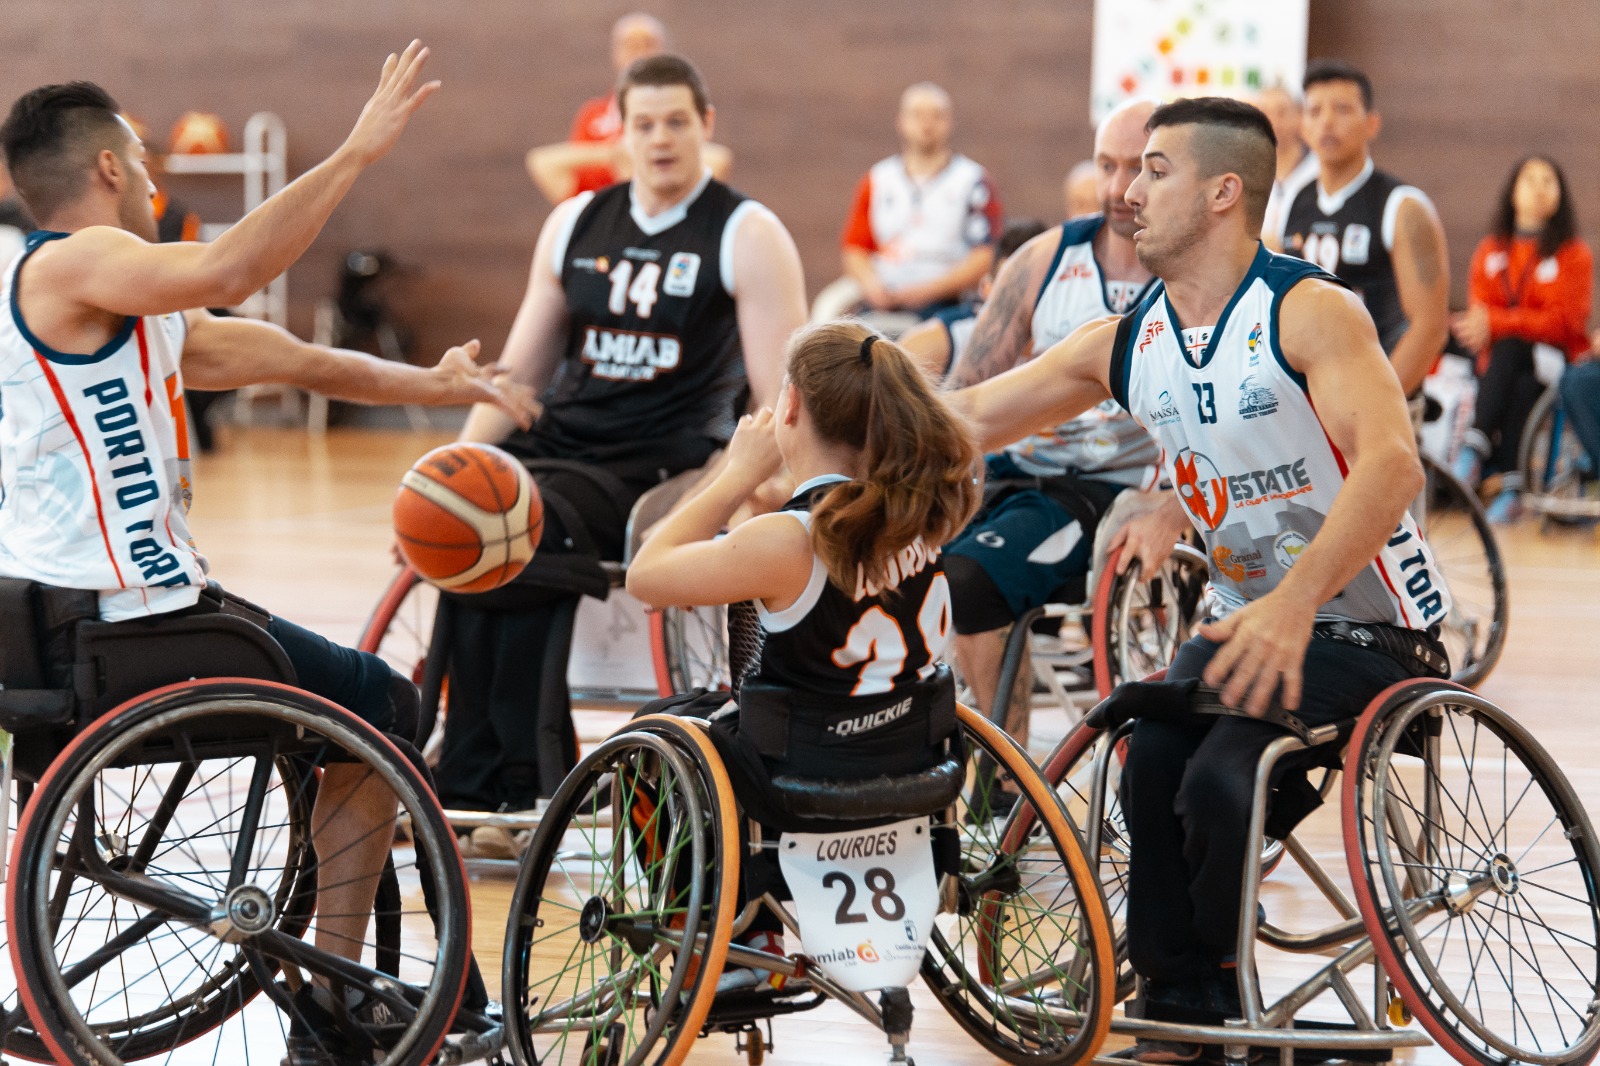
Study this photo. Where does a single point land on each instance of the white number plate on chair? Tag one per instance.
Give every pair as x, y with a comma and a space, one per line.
866, 900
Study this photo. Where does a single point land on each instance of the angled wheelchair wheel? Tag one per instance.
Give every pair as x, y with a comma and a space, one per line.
1464, 545
165, 876
689, 647
1553, 463
624, 905
1024, 959
1474, 866
1140, 621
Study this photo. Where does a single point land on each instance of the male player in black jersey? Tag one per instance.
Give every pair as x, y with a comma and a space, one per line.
1379, 235
652, 308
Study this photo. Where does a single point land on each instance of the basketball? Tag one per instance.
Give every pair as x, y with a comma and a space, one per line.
198, 133
468, 517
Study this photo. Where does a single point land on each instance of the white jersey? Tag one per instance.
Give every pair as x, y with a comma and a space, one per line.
1103, 443
94, 463
1249, 457
920, 230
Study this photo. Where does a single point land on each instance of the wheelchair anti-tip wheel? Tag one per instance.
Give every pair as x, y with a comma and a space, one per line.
1463, 544
165, 875
1474, 867
624, 905
1025, 961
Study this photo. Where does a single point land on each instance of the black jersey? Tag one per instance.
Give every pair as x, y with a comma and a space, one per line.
832, 643
652, 347
1351, 235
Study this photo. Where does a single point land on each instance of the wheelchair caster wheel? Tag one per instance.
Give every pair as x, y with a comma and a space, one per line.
606, 1051
1399, 1013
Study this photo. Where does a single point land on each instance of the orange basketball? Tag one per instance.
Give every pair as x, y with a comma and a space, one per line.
468, 517
198, 133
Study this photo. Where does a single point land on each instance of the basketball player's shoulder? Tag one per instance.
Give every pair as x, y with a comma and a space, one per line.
1076, 231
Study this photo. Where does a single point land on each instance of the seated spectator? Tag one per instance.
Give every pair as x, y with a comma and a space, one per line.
920, 233
1079, 191
1580, 396
592, 156
1531, 283
935, 344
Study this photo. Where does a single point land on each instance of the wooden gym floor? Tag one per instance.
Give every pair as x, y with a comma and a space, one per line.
300, 524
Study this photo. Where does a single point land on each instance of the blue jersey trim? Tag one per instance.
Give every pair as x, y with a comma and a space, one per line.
1122, 346
36, 240
1258, 266
1282, 273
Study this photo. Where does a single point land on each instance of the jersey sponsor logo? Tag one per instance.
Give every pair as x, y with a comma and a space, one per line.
683, 269
1151, 332
134, 483
1287, 548
1357, 246
1076, 270
1253, 344
1203, 490
623, 355
1165, 412
1257, 487
650, 255
1238, 566
866, 723
597, 265
1255, 400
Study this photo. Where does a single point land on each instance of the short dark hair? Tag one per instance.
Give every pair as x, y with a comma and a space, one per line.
659, 70
1563, 225
51, 138
1233, 137
1017, 232
1325, 70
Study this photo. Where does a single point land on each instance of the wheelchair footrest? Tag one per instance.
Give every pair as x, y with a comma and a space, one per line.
734, 1012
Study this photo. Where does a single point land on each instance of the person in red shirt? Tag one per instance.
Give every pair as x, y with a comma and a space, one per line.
1531, 283
592, 156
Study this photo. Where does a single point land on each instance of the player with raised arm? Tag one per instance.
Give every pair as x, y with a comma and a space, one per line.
97, 341
1287, 438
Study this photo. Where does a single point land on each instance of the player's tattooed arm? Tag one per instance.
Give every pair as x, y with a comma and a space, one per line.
1003, 335
1422, 274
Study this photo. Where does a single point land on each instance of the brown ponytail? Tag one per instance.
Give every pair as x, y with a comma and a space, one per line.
918, 460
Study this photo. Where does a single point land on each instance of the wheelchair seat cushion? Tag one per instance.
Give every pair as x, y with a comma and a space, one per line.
875, 798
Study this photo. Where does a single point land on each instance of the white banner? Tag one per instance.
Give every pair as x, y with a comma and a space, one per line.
1169, 48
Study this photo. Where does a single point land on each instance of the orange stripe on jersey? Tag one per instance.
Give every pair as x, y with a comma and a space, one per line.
88, 462
180, 416
144, 358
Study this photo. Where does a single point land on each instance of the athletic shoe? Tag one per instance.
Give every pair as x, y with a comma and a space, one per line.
496, 842
1468, 466
1162, 1052
1506, 508
317, 1038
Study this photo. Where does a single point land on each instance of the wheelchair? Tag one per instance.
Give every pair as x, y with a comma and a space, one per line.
1464, 545
1556, 484
162, 889
1472, 889
626, 908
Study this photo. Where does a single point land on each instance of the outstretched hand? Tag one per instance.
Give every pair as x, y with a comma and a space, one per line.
1263, 647
487, 384
397, 98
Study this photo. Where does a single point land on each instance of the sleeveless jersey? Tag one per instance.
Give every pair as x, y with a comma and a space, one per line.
652, 346
833, 643
1248, 455
1350, 234
94, 463
918, 230
1104, 442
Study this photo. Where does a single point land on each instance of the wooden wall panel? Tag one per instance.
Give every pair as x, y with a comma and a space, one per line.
806, 95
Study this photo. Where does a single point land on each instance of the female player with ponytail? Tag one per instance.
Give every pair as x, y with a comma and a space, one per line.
846, 577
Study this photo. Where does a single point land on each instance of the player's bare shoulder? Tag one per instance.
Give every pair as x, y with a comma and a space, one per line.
1322, 319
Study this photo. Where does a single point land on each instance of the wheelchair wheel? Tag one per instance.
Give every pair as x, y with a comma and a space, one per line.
165, 875
624, 905
689, 646
1551, 458
1070, 769
1464, 545
1025, 962
1139, 622
1475, 867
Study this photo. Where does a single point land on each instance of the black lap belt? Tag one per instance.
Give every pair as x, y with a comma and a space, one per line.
1205, 700
1419, 651
782, 723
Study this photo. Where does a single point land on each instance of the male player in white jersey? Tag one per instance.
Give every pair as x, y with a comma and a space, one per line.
1286, 434
97, 337
1030, 541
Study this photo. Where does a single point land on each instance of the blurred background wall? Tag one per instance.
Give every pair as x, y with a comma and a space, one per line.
805, 96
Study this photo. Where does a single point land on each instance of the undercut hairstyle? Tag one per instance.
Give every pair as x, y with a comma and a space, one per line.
1563, 225
1320, 71
662, 70
1230, 137
919, 464
52, 138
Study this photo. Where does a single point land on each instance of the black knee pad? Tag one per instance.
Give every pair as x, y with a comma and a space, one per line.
976, 605
406, 703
